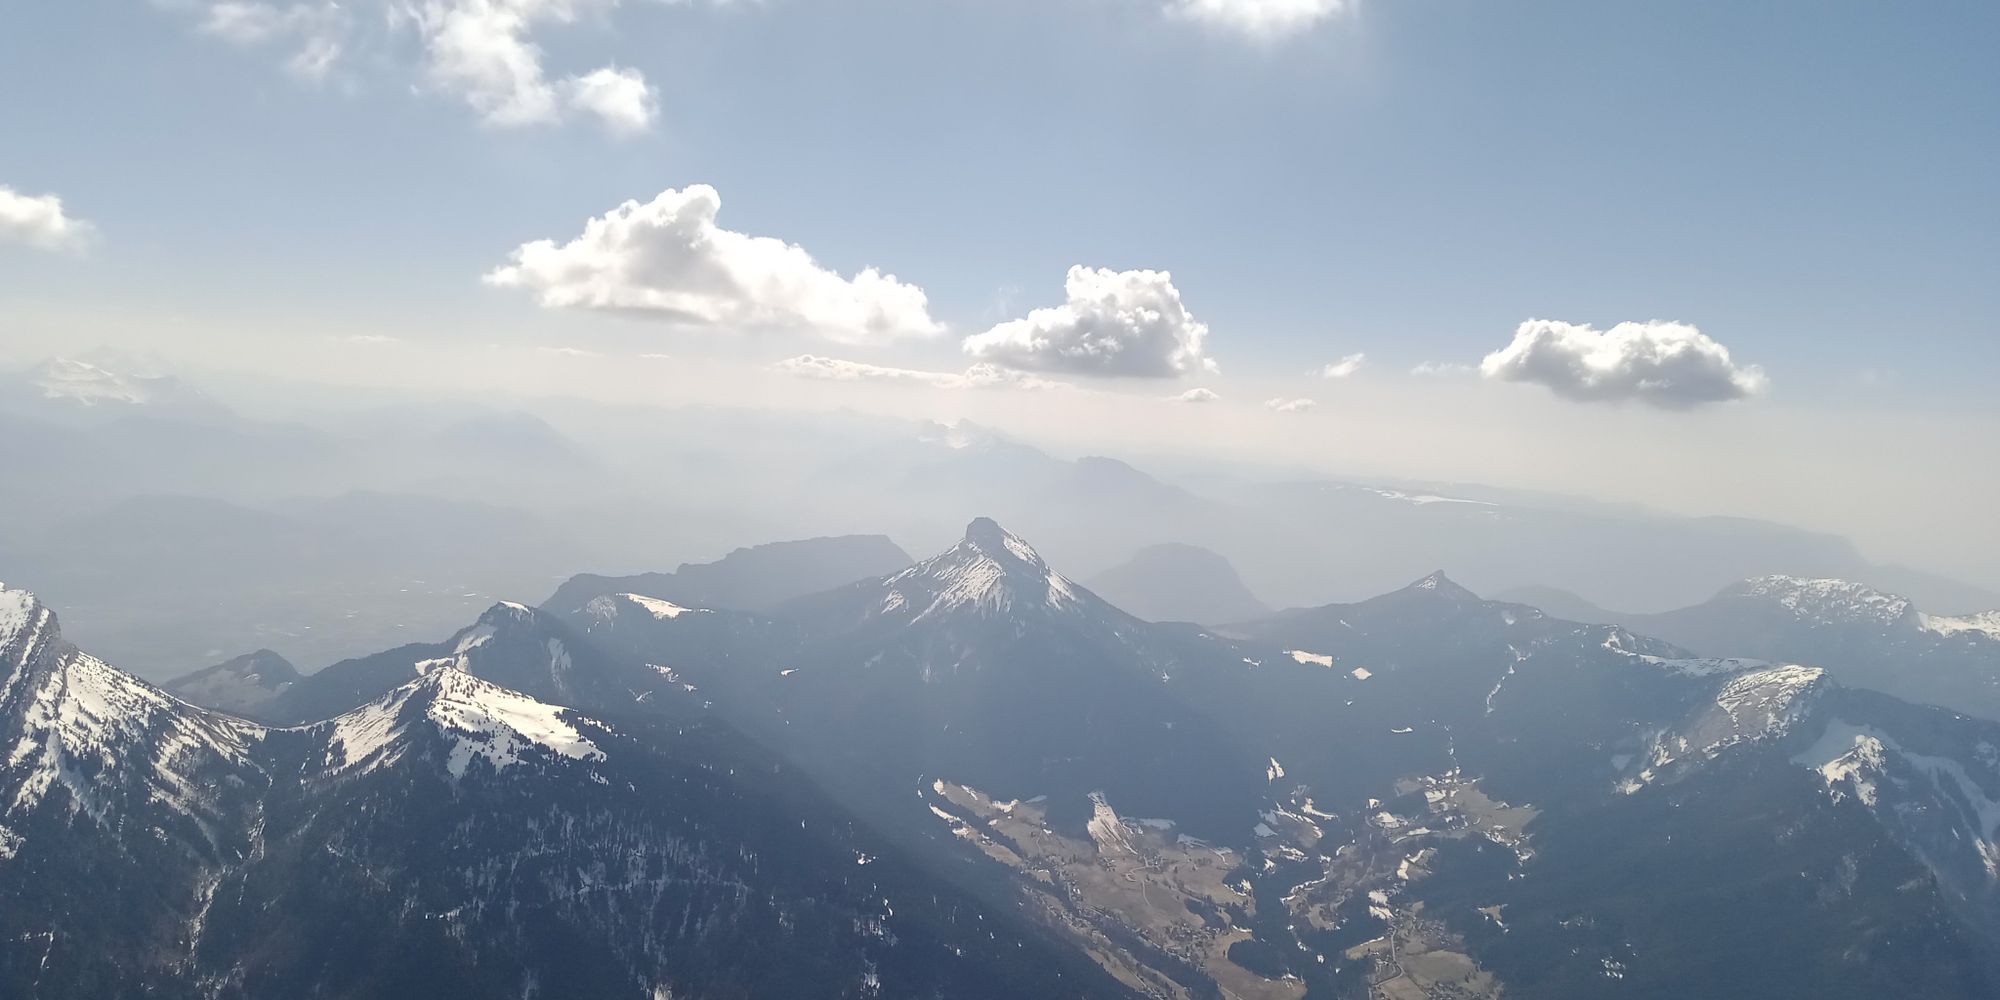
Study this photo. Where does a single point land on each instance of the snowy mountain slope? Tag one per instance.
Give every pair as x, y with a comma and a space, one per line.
451, 838
118, 806
1867, 637
1592, 728
510, 644
984, 665
69, 388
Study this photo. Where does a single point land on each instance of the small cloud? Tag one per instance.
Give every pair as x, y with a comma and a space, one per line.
1259, 20
1441, 369
1196, 395
667, 259
1283, 405
980, 376
39, 221
656, 356
1117, 323
1345, 366
620, 98
371, 339
567, 352
1672, 366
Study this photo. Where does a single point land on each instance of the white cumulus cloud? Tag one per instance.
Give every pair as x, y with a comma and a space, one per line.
1283, 405
980, 376
1345, 366
481, 52
484, 52
1668, 365
39, 221
1259, 20
1196, 395
620, 98
1123, 323
668, 259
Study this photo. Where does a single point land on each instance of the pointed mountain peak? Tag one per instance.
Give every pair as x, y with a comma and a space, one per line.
481, 720
986, 537
21, 612
1442, 585
985, 532
507, 613
991, 569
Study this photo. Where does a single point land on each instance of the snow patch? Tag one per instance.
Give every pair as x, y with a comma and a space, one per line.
482, 720
1827, 600
1985, 622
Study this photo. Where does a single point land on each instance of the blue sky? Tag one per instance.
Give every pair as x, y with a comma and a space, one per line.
1809, 184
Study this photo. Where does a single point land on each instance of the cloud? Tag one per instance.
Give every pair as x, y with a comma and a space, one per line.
667, 259
481, 52
1196, 395
371, 339
315, 33
1441, 369
39, 221
981, 376
1345, 366
1121, 323
1259, 20
1290, 405
567, 352
1668, 365
620, 98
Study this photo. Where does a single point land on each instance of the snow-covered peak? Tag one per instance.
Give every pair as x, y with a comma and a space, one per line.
610, 606
19, 611
481, 721
79, 383
1661, 656
87, 384
1986, 622
1858, 769
1825, 600
1754, 707
507, 613
990, 570
103, 735
1768, 702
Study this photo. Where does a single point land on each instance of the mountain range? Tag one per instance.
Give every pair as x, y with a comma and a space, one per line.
1869, 637
972, 776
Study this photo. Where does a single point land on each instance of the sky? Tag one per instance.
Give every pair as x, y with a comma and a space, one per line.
1710, 256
